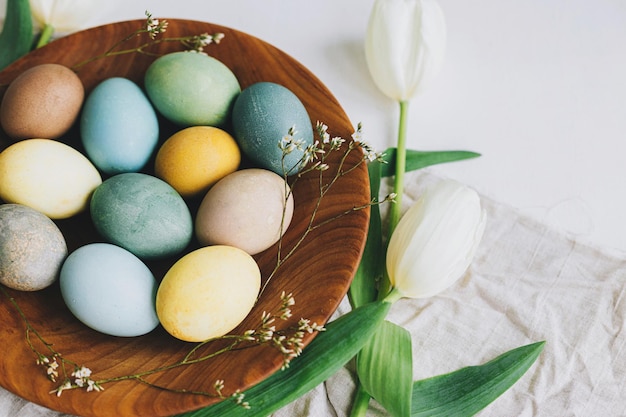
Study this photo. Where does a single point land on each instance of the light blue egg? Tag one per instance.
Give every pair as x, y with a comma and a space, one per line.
118, 126
110, 290
262, 115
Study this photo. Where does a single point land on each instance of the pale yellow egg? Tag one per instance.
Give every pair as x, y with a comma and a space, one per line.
48, 176
207, 293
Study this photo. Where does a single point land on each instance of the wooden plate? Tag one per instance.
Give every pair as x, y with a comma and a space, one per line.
318, 274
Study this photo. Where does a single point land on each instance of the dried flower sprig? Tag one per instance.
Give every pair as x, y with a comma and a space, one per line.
315, 159
289, 341
152, 28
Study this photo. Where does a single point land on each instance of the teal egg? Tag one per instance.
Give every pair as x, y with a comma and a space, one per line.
262, 115
110, 290
119, 127
192, 89
142, 214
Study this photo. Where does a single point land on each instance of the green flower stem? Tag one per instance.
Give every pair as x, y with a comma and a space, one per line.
362, 398
46, 35
393, 296
398, 186
360, 403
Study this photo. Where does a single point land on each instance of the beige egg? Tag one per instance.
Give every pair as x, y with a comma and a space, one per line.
207, 293
249, 209
42, 102
48, 176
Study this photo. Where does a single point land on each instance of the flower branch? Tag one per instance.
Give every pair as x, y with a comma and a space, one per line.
153, 28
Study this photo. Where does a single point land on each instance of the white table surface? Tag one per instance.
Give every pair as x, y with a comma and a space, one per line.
537, 87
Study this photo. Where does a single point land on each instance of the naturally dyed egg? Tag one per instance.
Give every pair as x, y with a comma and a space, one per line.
32, 248
110, 290
249, 209
207, 293
192, 89
42, 102
195, 158
142, 214
47, 175
262, 115
118, 126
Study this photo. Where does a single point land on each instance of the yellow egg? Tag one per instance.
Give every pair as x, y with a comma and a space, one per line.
48, 176
195, 158
207, 293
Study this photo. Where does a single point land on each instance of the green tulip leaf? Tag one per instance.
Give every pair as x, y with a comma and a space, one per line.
385, 368
420, 159
16, 38
468, 390
370, 270
325, 355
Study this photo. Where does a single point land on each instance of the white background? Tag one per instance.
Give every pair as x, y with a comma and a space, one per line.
538, 87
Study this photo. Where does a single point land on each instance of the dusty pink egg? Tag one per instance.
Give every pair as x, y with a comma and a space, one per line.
249, 209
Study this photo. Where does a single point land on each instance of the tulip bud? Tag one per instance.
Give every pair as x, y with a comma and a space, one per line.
405, 45
435, 240
67, 16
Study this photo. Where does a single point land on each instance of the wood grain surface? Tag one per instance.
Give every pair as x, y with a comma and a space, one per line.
318, 275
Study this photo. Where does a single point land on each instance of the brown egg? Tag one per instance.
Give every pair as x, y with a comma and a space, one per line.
42, 102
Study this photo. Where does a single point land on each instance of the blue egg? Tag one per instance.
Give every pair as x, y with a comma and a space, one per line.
262, 115
118, 126
142, 214
110, 290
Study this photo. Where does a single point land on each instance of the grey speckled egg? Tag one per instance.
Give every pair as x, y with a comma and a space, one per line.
32, 248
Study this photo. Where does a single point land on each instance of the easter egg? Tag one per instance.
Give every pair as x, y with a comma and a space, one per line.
195, 158
118, 126
192, 89
47, 175
262, 115
249, 209
110, 290
142, 214
42, 102
207, 293
32, 248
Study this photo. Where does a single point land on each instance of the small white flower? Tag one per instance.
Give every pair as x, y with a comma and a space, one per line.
61, 388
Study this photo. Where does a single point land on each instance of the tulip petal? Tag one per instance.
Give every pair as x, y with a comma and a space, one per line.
405, 45
68, 16
435, 241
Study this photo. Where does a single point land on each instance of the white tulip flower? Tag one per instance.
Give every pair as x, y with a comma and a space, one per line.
405, 45
65, 16
435, 240
61, 17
